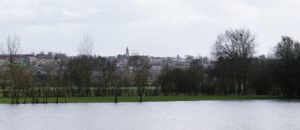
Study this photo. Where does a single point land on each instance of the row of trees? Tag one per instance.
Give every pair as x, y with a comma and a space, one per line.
80, 70
71, 76
234, 70
278, 73
189, 81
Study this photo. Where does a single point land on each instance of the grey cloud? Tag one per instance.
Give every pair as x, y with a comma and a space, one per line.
154, 27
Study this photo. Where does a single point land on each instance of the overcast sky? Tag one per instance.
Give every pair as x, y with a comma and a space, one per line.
150, 27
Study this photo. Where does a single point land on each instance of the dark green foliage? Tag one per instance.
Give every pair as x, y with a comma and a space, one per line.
287, 69
80, 70
187, 81
260, 78
223, 75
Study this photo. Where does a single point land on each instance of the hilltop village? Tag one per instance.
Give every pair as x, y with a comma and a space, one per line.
53, 63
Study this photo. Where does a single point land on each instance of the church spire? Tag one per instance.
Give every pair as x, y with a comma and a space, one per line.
127, 52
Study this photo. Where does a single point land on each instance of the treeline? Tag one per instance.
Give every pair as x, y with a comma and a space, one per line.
80, 76
236, 71
233, 70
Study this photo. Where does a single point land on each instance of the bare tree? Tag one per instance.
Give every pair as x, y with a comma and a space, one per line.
238, 47
81, 67
86, 46
12, 48
233, 44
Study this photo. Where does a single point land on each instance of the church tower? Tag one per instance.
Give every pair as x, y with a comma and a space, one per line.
127, 52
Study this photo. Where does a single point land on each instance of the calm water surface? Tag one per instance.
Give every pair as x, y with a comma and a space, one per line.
198, 115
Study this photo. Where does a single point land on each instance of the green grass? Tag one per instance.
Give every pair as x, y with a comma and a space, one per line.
145, 99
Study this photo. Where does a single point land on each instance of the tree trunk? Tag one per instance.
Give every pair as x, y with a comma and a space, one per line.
3, 92
239, 87
56, 96
244, 87
12, 96
25, 96
116, 95
141, 94
22, 93
116, 98
65, 96
46, 94
65, 99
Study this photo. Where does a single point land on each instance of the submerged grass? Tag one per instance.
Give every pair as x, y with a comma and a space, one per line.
145, 99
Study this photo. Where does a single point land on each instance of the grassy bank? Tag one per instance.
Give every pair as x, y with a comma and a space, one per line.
146, 99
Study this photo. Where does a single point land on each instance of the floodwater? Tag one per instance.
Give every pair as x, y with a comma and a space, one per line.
193, 115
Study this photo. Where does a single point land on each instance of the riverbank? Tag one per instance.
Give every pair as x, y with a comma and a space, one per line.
145, 99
